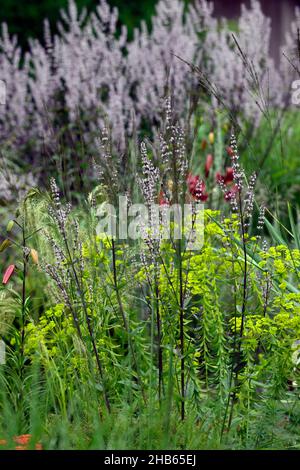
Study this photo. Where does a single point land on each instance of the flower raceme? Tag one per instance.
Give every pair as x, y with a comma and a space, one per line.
226, 181
231, 193
197, 187
230, 152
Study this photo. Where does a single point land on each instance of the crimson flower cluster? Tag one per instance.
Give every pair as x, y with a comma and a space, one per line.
197, 186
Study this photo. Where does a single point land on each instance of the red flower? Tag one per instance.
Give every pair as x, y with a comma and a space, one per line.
23, 439
162, 199
197, 187
208, 164
229, 151
227, 178
8, 273
229, 175
201, 195
23, 442
219, 178
192, 182
231, 193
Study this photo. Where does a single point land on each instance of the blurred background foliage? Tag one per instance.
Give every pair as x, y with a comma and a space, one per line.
26, 18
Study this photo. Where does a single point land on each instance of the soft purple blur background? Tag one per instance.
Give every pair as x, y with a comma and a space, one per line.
280, 11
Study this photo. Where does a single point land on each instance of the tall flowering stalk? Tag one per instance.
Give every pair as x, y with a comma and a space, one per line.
74, 275
167, 183
149, 186
242, 199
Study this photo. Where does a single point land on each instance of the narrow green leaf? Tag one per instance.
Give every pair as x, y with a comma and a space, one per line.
293, 227
4, 245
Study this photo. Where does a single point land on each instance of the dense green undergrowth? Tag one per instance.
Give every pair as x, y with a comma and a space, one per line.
184, 349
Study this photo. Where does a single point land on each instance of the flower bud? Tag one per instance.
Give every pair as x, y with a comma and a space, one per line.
34, 256
10, 226
211, 138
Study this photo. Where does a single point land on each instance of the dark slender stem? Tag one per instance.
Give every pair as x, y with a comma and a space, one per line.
245, 273
239, 346
182, 361
23, 298
233, 351
125, 322
90, 329
160, 351
116, 286
181, 289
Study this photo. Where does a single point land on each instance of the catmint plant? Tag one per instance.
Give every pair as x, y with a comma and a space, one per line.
90, 76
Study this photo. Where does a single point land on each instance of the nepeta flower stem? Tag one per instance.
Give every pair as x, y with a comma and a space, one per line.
244, 301
160, 351
181, 306
90, 330
125, 322
23, 312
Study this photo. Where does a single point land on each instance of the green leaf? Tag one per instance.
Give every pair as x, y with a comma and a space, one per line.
293, 227
4, 245
275, 233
